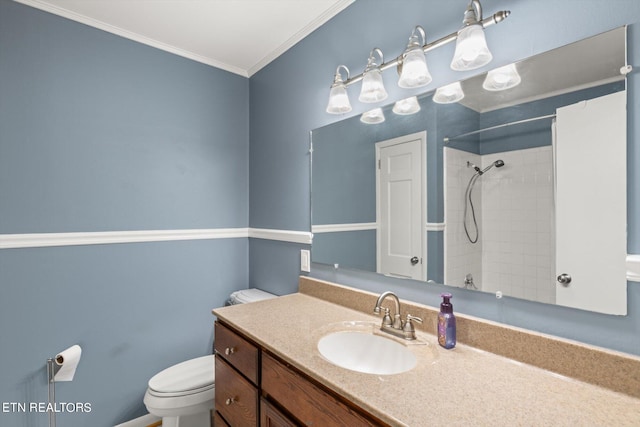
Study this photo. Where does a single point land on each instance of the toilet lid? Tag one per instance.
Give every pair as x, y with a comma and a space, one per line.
249, 295
186, 376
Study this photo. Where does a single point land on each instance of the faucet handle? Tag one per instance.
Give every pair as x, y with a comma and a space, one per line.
386, 319
410, 318
408, 325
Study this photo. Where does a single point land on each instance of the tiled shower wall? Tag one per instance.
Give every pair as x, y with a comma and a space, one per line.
514, 209
461, 257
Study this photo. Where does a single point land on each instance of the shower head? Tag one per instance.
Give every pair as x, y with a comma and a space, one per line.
497, 163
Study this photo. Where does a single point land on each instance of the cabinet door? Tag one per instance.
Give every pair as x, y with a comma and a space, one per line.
271, 417
236, 398
218, 421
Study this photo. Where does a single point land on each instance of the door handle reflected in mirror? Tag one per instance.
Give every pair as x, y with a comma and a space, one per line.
414, 260
564, 279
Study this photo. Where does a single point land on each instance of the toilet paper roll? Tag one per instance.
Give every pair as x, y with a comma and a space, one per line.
68, 361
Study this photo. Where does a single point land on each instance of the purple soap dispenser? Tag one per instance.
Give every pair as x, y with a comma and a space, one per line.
446, 323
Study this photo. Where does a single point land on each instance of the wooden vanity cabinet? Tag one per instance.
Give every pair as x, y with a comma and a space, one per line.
254, 387
270, 416
238, 352
307, 401
217, 420
236, 372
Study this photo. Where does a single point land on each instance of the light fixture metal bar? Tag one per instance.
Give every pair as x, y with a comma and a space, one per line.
518, 122
487, 22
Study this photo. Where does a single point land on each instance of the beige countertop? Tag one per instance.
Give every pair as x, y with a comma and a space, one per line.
459, 387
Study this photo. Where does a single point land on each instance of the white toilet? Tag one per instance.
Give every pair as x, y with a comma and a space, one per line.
183, 394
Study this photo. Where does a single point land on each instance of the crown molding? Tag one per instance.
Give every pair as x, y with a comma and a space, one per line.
288, 44
304, 32
83, 19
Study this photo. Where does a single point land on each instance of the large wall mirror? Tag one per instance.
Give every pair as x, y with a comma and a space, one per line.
516, 190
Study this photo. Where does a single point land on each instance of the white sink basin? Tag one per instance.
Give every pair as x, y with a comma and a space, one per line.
366, 352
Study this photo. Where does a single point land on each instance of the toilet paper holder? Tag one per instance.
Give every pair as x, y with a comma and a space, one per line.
52, 369
63, 365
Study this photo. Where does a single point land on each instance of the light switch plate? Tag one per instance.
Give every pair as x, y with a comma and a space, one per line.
305, 260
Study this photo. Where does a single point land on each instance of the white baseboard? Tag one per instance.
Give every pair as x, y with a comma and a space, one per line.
142, 421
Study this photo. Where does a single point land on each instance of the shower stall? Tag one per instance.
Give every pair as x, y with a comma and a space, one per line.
499, 219
525, 217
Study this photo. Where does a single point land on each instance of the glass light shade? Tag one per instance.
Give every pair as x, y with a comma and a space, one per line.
338, 100
448, 94
407, 106
372, 87
471, 49
372, 117
414, 70
502, 78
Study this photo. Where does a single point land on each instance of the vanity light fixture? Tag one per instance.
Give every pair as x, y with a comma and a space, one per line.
373, 116
449, 94
502, 78
372, 85
471, 46
471, 52
338, 97
414, 71
407, 106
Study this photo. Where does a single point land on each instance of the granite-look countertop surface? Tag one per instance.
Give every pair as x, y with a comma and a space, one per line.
458, 387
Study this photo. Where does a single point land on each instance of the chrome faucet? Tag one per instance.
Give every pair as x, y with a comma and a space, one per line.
396, 327
468, 282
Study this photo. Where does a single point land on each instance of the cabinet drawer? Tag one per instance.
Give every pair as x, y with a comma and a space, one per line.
237, 351
304, 400
236, 398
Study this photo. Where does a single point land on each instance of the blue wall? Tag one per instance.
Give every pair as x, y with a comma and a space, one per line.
99, 133
288, 99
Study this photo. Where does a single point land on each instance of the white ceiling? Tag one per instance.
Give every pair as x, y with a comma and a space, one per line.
240, 36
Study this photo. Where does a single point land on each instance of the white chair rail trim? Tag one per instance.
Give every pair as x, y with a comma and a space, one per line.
336, 228
363, 226
633, 268
290, 236
435, 226
37, 240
